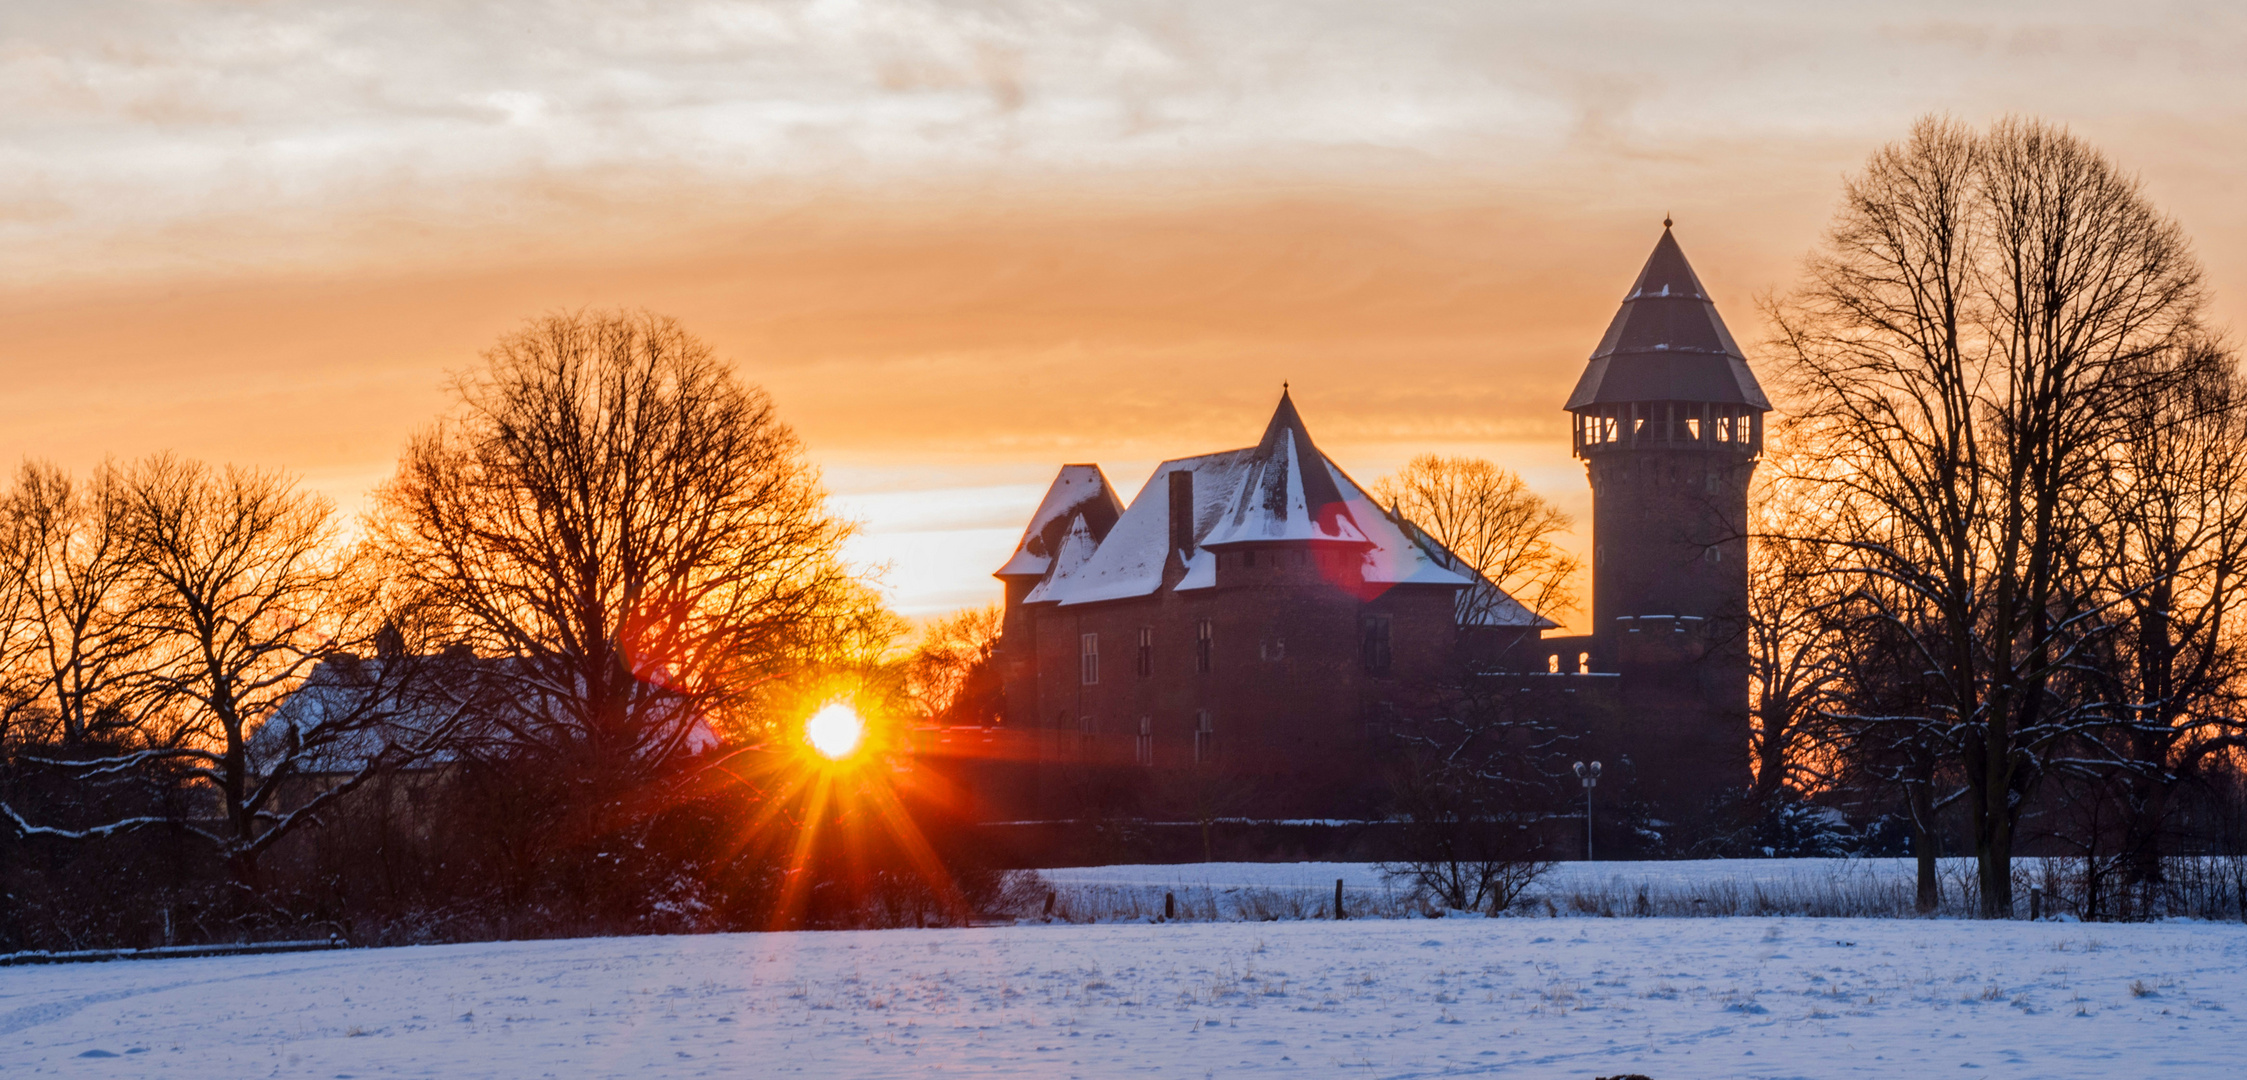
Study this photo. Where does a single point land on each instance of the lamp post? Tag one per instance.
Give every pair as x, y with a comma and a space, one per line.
1590, 776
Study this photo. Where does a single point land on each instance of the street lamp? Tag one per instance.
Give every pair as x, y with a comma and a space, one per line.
1590, 776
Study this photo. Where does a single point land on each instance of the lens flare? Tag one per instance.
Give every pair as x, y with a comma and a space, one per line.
834, 731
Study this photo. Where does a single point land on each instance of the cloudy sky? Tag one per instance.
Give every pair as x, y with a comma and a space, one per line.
962, 243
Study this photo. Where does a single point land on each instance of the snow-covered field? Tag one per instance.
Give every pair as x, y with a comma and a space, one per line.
1744, 997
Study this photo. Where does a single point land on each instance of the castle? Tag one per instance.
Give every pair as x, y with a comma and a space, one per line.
1255, 620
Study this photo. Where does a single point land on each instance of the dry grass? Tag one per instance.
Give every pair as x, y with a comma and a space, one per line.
2206, 888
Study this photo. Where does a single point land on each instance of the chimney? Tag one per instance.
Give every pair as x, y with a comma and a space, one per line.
1182, 511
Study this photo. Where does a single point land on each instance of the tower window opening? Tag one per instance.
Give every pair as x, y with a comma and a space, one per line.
1202, 635
1146, 651
1205, 738
1552, 664
1144, 749
1583, 663
1089, 660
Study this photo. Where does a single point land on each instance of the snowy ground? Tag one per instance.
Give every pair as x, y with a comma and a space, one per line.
1745, 997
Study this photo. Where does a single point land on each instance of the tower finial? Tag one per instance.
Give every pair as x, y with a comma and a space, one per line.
1283, 386
1665, 220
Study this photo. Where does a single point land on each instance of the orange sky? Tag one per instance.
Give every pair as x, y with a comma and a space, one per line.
964, 243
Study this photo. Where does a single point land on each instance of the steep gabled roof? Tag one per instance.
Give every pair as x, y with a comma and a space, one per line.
1667, 343
1080, 491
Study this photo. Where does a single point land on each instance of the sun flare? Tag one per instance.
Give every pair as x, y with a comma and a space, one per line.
834, 731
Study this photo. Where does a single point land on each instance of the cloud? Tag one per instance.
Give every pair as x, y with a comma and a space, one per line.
976, 235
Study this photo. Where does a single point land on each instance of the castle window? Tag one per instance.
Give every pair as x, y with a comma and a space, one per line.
1202, 646
1376, 640
1144, 752
1088, 737
1089, 660
1713, 554
1205, 738
1146, 651
1583, 663
1552, 664
1273, 649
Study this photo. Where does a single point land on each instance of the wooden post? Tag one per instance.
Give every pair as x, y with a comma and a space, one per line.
1337, 898
1170, 906
2036, 904
1049, 903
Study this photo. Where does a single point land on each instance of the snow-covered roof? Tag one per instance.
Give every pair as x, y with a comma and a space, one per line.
1079, 491
1077, 549
1288, 491
1282, 489
1130, 561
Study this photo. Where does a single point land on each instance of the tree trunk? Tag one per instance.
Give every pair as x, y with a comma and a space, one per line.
1993, 854
2142, 836
1929, 895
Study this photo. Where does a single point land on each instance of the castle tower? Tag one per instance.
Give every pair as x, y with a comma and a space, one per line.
1669, 422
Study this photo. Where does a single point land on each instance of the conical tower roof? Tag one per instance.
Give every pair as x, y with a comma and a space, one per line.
1287, 490
1667, 343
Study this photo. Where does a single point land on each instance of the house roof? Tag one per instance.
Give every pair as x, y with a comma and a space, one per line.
1281, 489
1667, 343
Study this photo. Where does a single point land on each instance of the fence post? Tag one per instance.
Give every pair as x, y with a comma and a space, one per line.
1337, 898
2036, 904
1049, 904
1170, 906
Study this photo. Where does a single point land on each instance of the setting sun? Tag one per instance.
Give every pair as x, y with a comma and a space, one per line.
834, 731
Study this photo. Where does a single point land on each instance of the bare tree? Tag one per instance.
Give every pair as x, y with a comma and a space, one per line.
635, 533
1793, 629
2167, 547
237, 590
1476, 791
68, 564
1983, 305
950, 674
1493, 522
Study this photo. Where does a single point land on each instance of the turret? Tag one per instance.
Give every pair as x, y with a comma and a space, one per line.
1669, 422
